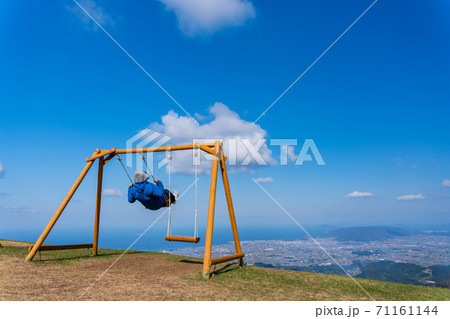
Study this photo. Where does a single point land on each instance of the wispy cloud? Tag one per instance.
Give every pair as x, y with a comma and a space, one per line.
2, 170
22, 209
264, 179
446, 183
358, 194
204, 17
411, 197
112, 192
398, 161
200, 117
95, 10
4, 194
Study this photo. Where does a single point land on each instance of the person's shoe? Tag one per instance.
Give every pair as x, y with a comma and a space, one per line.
175, 194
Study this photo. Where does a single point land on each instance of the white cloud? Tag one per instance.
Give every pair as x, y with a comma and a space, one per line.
22, 209
225, 125
446, 183
203, 17
2, 170
264, 179
95, 10
411, 197
200, 117
359, 194
112, 192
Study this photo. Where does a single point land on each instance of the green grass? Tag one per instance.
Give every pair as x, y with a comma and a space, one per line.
62, 256
69, 256
335, 286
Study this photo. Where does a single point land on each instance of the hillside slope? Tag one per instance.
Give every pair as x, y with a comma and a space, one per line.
65, 275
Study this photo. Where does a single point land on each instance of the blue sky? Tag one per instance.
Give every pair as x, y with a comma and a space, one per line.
376, 105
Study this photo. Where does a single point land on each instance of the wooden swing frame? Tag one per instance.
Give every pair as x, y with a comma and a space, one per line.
104, 156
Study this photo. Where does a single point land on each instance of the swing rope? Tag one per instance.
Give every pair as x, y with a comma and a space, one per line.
195, 209
148, 168
126, 172
169, 223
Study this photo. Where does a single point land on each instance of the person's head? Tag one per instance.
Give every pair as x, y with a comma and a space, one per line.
140, 176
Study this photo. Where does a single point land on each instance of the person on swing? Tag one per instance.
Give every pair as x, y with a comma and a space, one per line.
152, 196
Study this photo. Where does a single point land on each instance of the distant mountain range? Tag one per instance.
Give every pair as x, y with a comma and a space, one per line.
368, 233
407, 273
377, 233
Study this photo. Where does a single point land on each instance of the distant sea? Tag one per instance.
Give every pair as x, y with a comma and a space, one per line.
153, 239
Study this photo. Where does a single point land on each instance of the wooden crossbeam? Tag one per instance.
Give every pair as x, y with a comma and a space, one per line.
62, 247
108, 158
218, 260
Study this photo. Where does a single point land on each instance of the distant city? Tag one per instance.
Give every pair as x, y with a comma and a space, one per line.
425, 255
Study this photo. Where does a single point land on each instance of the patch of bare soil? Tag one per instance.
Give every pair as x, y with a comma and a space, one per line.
14, 243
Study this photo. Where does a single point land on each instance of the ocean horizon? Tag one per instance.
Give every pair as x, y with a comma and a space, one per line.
153, 239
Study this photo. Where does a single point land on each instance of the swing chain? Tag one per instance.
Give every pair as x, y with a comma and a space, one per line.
126, 172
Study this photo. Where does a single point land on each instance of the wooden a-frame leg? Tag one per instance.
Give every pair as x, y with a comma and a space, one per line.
211, 207
58, 212
98, 205
226, 186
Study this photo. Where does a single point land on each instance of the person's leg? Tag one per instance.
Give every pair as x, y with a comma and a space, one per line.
172, 197
166, 196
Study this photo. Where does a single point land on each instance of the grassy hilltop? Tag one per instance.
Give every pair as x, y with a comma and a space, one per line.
65, 275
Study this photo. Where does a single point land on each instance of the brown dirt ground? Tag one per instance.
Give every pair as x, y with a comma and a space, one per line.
133, 277
13, 243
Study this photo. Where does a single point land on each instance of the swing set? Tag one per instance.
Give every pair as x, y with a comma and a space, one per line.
104, 156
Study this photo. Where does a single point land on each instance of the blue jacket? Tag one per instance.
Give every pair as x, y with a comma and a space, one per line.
148, 194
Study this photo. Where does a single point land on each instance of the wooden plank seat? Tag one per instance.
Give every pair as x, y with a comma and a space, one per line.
184, 239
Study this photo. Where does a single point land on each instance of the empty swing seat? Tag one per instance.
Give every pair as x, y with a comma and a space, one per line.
184, 239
